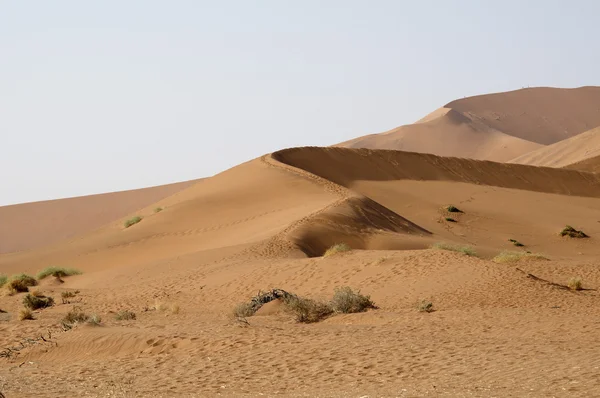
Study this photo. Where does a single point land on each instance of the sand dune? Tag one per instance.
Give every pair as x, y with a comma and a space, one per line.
28, 225
265, 224
563, 153
495, 126
591, 165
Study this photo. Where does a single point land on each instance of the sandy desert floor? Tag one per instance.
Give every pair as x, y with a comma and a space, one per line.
499, 329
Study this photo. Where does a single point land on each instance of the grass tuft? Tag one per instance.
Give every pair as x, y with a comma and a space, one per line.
74, 317
20, 283
125, 315
57, 272
3, 280
94, 320
337, 248
575, 284
307, 310
516, 243
132, 221
572, 232
158, 209
453, 209
450, 219
243, 310
26, 315
37, 301
425, 306
512, 257
346, 301
467, 250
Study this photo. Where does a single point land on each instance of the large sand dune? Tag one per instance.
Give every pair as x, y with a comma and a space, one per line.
495, 126
28, 225
265, 224
563, 153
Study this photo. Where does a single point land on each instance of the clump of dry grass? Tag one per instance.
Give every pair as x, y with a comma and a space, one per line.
26, 315
94, 320
36, 300
337, 248
125, 315
511, 257
346, 301
575, 284
425, 306
57, 272
3, 280
132, 221
307, 310
467, 250
572, 232
243, 310
77, 316
20, 283
158, 209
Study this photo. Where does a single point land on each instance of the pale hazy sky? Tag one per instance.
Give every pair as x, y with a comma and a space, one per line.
111, 95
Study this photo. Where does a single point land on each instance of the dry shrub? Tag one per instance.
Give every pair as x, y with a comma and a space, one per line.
346, 301
74, 317
125, 315
453, 209
425, 306
20, 283
243, 310
307, 310
57, 272
575, 284
94, 320
337, 248
468, 250
3, 280
37, 301
511, 257
132, 221
26, 315
572, 232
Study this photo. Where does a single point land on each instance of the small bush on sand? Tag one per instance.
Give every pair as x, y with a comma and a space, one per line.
74, 317
512, 257
572, 232
346, 301
453, 209
307, 310
450, 219
243, 310
20, 283
125, 315
34, 302
57, 272
26, 315
425, 306
468, 250
3, 279
132, 221
516, 243
94, 320
575, 284
158, 209
337, 248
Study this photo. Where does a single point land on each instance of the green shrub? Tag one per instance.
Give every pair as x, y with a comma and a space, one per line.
453, 209
516, 243
337, 248
3, 279
450, 219
347, 301
37, 301
132, 221
57, 272
572, 232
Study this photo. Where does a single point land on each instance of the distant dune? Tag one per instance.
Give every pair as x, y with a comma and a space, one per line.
495, 126
28, 225
563, 153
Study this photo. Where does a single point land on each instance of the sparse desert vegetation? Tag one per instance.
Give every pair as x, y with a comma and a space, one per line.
20, 283
3, 279
77, 316
26, 315
511, 257
158, 209
57, 272
516, 243
125, 315
37, 301
132, 221
425, 306
453, 209
337, 248
467, 250
572, 232
346, 301
307, 310
450, 219
575, 283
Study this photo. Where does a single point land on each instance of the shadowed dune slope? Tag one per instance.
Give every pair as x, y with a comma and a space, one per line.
573, 150
591, 165
495, 126
28, 225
